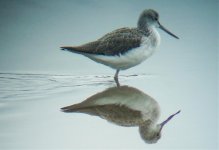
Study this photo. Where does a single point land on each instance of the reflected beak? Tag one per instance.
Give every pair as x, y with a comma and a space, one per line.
167, 31
167, 120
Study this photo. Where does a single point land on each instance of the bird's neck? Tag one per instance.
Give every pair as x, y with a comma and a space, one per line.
146, 128
142, 24
152, 33
146, 124
145, 28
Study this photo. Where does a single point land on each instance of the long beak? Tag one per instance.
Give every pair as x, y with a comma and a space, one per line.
168, 119
167, 31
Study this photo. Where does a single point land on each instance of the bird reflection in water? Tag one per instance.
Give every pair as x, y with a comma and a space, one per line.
125, 106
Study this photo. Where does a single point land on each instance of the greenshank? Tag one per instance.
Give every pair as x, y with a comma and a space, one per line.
125, 106
125, 47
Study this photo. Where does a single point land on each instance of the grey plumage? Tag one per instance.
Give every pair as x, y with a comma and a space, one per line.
124, 106
126, 47
116, 42
112, 112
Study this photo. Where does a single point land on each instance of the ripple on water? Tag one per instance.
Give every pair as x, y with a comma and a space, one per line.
15, 86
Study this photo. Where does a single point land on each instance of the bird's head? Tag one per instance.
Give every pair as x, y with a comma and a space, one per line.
151, 133
150, 18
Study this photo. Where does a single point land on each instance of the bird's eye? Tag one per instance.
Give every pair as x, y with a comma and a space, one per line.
155, 18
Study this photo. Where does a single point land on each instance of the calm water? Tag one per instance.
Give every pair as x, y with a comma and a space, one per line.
31, 117
182, 74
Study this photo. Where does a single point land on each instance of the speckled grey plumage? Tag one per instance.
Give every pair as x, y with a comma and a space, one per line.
116, 106
124, 106
116, 42
126, 47
118, 114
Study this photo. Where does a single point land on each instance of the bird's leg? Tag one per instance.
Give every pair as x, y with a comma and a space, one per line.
116, 78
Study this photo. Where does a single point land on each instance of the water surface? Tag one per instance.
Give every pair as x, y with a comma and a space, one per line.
31, 117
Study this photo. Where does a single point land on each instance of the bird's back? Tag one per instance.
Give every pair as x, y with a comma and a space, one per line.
114, 43
117, 114
124, 106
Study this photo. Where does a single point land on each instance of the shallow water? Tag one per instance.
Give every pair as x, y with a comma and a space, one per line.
31, 117
30, 110
181, 75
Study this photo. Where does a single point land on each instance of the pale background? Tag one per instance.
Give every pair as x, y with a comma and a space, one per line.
182, 74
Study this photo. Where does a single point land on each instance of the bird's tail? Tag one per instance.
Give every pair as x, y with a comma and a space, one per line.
71, 108
77, 108
76, 50
70, 49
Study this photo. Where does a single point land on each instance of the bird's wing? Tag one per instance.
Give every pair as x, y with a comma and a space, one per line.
118, 114
114, 43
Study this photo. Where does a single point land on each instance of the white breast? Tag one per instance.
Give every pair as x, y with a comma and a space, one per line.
132, 57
